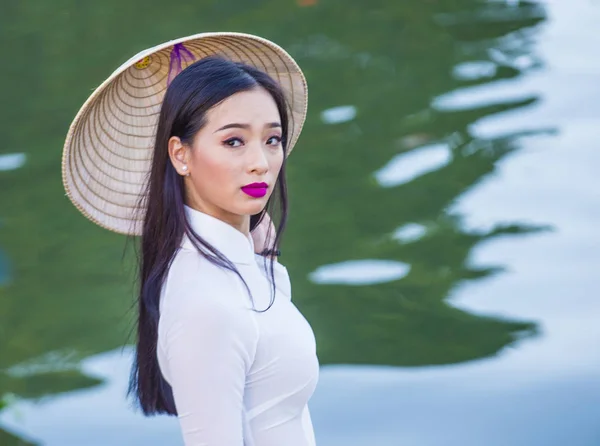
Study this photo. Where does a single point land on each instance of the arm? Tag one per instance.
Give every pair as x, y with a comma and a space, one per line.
209, 348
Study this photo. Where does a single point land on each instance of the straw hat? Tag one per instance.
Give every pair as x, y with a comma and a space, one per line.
108, 149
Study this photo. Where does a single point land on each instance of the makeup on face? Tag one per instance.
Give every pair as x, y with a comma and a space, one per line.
256, 190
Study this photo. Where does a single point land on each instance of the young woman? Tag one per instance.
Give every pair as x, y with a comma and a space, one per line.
220, 343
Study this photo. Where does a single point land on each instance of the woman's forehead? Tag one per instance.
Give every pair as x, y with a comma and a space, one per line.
256, 108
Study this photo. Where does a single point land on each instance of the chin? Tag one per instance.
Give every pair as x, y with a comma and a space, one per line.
254, 207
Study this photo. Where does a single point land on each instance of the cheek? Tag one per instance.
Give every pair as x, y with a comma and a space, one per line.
275, 162
213, 172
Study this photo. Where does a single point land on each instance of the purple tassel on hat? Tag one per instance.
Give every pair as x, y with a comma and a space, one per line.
178, 53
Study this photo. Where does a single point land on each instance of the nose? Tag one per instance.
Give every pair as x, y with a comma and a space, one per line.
258, 162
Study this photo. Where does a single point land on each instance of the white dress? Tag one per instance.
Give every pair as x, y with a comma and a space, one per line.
239, 378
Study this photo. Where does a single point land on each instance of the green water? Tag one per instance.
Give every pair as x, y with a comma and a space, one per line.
378, 76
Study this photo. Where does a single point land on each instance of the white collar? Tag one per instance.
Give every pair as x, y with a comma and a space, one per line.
232, 243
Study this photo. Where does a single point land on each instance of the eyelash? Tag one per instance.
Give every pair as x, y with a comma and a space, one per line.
228, 141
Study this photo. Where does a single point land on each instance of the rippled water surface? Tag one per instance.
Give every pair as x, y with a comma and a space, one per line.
443, 237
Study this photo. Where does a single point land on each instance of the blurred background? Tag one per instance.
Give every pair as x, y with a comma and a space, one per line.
443, 232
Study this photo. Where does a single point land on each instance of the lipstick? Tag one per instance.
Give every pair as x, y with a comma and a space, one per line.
256, 190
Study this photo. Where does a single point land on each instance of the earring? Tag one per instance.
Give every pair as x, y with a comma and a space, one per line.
184, 167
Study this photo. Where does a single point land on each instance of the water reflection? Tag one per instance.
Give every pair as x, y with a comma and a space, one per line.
360, 272
337, 115
72, 418
12, 161
474, 70
4, 271
9, 439
409, 232
405, 167
430, 159
422, 77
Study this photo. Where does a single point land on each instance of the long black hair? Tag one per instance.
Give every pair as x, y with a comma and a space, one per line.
190, 95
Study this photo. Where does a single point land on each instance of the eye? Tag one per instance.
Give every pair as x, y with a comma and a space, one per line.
233, 142
276, 139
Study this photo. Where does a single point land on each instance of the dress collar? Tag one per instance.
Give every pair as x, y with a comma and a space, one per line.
232, 243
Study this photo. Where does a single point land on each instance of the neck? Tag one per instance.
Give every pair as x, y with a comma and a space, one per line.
239, 222
225, 235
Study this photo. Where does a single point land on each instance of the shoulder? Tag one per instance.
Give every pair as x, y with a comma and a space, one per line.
190, 265
192, 269
193, 283
197, 293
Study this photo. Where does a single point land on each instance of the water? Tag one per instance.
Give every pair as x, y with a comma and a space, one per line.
443, 239
11, 161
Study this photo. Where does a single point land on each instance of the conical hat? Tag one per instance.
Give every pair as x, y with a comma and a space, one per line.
108, 149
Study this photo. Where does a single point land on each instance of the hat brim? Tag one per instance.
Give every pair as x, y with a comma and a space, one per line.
108, 149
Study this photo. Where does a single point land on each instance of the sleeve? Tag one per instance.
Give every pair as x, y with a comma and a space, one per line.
209, 348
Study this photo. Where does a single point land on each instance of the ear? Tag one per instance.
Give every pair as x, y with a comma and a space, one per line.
179, 154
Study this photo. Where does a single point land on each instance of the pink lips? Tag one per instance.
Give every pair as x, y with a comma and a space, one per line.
256, 190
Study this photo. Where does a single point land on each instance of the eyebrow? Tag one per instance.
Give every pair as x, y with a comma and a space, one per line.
236, 125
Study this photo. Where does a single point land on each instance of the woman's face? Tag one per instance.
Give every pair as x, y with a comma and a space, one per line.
240, 145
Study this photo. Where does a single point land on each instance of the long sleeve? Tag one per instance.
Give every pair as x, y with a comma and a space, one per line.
209, 346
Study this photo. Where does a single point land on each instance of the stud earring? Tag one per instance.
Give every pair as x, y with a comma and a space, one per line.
184, 167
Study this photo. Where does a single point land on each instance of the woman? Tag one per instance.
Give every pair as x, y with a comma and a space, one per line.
220, 344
